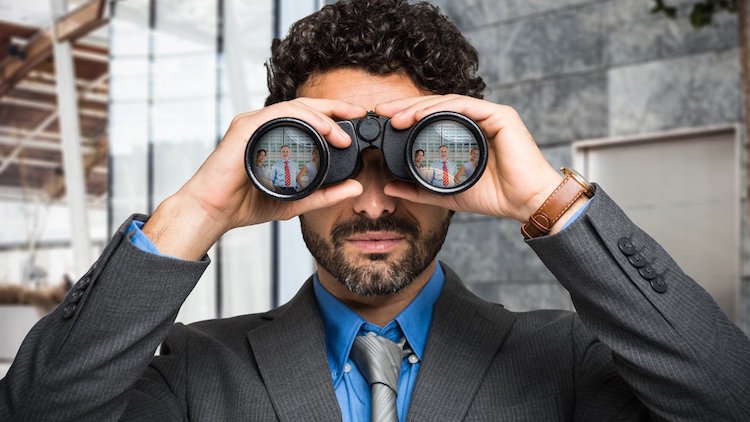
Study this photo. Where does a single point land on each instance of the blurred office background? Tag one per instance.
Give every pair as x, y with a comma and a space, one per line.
108, 107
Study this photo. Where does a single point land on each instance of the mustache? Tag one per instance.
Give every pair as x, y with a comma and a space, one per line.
361, 224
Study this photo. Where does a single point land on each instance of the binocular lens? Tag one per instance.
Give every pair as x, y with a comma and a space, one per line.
287, 160
445, 154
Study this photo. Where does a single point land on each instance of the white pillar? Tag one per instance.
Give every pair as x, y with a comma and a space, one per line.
67, 103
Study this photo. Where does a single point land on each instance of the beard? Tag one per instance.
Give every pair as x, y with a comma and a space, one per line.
380, 273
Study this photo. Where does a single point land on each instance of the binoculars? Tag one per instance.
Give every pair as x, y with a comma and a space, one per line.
445, 153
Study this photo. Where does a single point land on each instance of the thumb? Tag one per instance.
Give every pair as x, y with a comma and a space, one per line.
412, 192
328, 196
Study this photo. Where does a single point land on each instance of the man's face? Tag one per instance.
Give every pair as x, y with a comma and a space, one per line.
285, 153
443, 153
373, 244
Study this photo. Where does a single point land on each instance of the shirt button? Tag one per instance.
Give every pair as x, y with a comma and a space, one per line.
347, 368
413, 359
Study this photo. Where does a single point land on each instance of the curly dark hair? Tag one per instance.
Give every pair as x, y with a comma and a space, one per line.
380, 36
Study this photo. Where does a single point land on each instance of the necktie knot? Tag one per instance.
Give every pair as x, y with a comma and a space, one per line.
378, 359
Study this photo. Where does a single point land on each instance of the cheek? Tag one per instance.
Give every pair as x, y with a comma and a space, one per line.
428, 217
322, 220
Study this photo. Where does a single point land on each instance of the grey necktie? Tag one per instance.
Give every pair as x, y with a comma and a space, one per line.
379, 361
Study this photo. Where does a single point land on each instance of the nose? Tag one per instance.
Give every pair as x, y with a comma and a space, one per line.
373, 176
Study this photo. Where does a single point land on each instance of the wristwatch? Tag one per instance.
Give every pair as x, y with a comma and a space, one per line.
565, 195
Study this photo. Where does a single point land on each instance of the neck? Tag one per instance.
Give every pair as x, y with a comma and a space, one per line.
378, 310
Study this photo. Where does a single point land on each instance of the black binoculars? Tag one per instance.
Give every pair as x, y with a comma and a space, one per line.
445, 153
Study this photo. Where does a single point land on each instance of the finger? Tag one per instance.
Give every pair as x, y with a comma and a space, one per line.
334, 108
338, 110
413, 193
317, 112
491, 118
390, 108
327, 197
413, 113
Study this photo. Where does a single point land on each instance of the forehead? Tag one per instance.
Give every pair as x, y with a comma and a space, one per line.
359, 87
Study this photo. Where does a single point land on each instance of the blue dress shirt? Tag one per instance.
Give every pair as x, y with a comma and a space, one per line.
342, 325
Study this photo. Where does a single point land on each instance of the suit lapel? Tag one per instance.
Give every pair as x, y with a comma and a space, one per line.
291, 356
465, 335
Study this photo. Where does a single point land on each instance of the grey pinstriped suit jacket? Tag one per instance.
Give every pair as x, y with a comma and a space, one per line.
642, 354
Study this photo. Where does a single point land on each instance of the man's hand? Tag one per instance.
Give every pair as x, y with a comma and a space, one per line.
220, 197
518, 178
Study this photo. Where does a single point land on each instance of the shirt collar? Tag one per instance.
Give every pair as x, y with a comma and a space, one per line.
342, 324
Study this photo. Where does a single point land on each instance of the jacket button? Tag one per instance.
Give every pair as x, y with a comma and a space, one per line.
75, 296
658, 284
626, 246
648, 272
637, 260
84, 283
69, 310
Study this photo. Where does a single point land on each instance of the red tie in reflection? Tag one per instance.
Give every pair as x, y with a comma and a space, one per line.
445, 174
287, 177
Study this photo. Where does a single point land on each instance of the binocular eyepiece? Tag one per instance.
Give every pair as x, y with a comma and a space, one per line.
445, 153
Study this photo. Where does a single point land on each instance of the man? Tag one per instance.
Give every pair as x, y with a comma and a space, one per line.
284, 173
443, 170
639, 350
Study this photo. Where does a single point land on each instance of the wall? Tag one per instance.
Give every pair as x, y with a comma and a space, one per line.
581, 70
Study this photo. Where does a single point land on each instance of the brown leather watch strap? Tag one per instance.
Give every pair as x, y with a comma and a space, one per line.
540, 223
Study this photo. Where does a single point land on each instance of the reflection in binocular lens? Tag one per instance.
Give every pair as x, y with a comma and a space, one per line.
286, 160
445, 154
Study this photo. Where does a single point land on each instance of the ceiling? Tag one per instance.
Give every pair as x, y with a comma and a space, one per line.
30, 143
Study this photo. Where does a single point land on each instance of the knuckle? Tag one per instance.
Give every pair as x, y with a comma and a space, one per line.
510, 111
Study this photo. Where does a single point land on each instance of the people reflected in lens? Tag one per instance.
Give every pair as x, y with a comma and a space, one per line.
468, 168
443, 170
310, 170
420, 165
263, 173
284, 173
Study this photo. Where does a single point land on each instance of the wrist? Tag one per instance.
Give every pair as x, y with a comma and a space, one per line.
580, 202
537, 198
567, 198
180, 228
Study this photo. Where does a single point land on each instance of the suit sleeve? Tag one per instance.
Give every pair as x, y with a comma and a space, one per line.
670, 341
81, 361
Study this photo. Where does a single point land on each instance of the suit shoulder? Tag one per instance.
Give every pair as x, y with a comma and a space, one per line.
227, 331
547, 320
